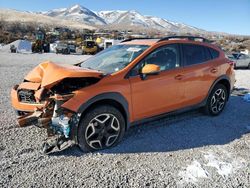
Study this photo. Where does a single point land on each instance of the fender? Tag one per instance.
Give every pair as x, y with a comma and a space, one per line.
223, 77
115, 96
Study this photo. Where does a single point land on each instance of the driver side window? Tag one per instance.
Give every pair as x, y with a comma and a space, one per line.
166, 57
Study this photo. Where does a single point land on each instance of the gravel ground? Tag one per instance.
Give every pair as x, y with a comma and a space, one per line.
188, 150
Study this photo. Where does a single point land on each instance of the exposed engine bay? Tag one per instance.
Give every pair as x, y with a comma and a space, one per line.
43, 101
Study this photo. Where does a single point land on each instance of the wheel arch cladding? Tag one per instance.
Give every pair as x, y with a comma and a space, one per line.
224, 80
111, 98
226, 83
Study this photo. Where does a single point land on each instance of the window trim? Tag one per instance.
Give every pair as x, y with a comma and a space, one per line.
210, 50
128, 75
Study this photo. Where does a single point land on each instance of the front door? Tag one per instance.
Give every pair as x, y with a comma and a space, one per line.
160, 93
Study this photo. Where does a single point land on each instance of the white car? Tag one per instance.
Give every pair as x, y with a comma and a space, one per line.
241, 60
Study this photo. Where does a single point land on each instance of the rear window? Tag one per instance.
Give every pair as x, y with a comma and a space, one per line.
214, 53
195, 54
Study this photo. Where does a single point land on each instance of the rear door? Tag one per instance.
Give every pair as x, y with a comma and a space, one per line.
199, 73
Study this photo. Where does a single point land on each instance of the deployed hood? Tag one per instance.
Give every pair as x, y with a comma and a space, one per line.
49, 74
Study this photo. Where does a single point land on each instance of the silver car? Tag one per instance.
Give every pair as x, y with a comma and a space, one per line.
241, 60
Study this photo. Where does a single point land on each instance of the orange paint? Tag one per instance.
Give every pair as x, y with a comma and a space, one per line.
167, 91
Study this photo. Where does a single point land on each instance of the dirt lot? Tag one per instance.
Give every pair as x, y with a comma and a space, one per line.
189, 150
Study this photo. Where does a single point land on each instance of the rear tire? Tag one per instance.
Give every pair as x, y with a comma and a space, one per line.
100, 128
217, 100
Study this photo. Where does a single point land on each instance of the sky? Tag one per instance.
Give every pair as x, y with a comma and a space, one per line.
231, 16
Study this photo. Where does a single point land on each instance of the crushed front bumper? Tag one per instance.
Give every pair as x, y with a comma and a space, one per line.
61, 124
26, 112
45, 114
20, 106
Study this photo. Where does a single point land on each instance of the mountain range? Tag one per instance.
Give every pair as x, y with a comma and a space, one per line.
117, 19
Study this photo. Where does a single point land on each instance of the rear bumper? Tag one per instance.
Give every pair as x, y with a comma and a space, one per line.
232, 80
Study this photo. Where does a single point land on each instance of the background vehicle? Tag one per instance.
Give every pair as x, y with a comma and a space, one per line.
72, 48
40, 45
110, 42
62, 48
89, 47
127, 84
241, 60
13, 49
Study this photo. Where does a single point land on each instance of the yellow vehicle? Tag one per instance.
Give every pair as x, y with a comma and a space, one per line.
98, 40
89, 47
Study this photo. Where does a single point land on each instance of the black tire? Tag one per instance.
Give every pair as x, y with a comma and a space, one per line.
215, 106
248, 66
235, 67
101, 132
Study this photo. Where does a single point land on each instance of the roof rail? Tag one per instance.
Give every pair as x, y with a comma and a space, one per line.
145, 38
185, 37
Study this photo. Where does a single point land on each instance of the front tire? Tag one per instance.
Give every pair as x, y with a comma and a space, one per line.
100, 128
217, 100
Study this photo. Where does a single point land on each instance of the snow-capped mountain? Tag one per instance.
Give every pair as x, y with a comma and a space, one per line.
76, 13
111, 16
119, 19
11, 16
134, 18
127, 18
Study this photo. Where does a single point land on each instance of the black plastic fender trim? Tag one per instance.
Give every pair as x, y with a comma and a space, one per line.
115, 96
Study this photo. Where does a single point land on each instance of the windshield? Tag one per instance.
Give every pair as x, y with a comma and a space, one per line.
235, 55
114, 58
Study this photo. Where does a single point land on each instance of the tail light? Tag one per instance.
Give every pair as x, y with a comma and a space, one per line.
230, 62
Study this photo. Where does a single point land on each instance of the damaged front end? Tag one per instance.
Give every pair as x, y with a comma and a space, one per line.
38, 101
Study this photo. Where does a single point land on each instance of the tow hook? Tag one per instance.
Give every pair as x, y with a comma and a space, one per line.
57, 142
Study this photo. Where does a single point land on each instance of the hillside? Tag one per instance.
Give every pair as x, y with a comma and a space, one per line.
117, 19
76, 13
9, 15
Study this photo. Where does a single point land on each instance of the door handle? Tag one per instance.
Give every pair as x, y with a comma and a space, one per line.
178, 77
214, 70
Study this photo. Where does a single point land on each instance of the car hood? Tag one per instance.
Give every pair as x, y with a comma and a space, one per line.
49, 73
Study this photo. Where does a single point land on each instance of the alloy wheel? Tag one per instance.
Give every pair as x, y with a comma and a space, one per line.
102, 131
218, 101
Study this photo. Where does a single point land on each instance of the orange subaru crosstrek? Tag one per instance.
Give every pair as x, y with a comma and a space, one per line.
96, 101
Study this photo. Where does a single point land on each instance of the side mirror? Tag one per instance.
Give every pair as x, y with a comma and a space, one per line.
150, 69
